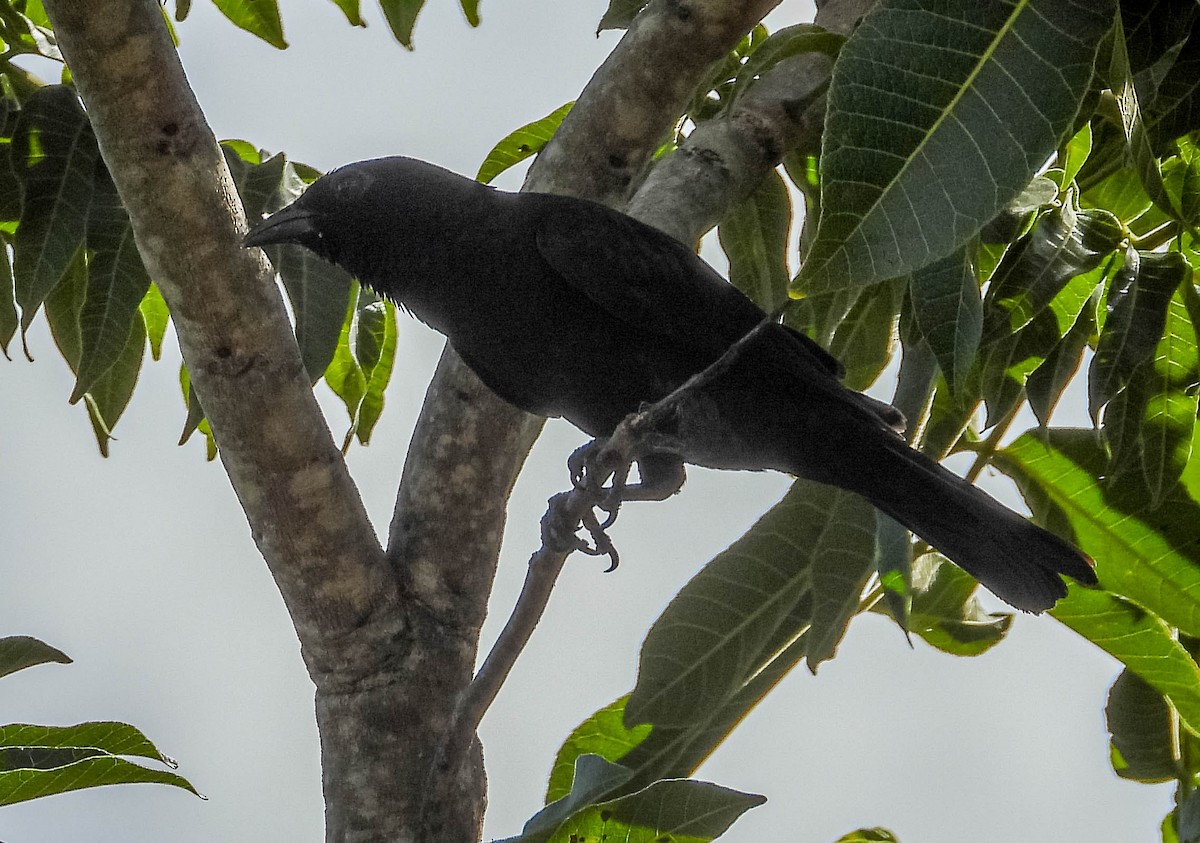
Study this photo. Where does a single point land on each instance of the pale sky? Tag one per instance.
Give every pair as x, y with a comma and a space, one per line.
142, 569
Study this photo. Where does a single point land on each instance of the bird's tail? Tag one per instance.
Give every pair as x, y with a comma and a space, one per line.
1014, 558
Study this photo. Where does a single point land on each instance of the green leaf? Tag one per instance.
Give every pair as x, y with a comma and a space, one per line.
8, 304
350, 8
155, 313
1075, 153
945, 612
1121, 81
319, 293
869, 835
604, 735
20, 785
865, 340
1142, 730
594, 778
1155, 31
949, 311
18, 652
258, 17
1188, 818
117, 283
939, 115
1046, 383
1149, 424
754, 236
1062, 245
782, 44
805, 561
195, 415
1150, 555
620, 14
103, 736
1140, 641
344, 375
402, 17
108, 397
379, 372
56, 156
672, 810
528, 140
63, 306
470, 11
1175, 111
1136, 306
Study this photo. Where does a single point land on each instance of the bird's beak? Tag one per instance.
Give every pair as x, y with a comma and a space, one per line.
291, 225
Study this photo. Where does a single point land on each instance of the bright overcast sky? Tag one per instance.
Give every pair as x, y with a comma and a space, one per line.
141, 567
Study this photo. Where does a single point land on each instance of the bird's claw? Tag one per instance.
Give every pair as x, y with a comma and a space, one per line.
559, 531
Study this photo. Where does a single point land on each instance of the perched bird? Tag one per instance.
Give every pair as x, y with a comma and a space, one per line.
568, 308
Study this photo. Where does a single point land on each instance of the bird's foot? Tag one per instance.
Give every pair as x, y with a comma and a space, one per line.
562, 521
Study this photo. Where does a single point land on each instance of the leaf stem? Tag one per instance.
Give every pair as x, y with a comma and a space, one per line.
988, 448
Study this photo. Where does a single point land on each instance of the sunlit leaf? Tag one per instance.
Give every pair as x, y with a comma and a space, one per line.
155, 313
1150, 554
259, 17
521, 144
603, 734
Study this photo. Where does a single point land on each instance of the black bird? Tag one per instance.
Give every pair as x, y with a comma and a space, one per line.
568, 308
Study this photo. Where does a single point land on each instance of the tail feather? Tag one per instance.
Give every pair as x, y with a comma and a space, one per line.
1014, 558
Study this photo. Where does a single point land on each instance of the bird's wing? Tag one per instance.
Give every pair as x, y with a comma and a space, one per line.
647, 278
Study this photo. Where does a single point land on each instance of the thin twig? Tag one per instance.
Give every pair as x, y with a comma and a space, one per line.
621, 449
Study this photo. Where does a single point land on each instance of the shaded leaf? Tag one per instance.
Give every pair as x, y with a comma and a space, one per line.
1175, 111
56, 153
1121, 81
1046, 383
949, 311
18, 652
939, 115
866, 338
8, 304
470, 10
108, 397
754, 236
195, 415
1062, 245
1155, 31
258, 17
318, 292
1136, 307
803, 562
402, 17
1142, 730
521, 144
117, 283
619, 14
784, 43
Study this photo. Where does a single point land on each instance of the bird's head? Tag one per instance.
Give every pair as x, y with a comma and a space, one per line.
326, 214
366, 216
